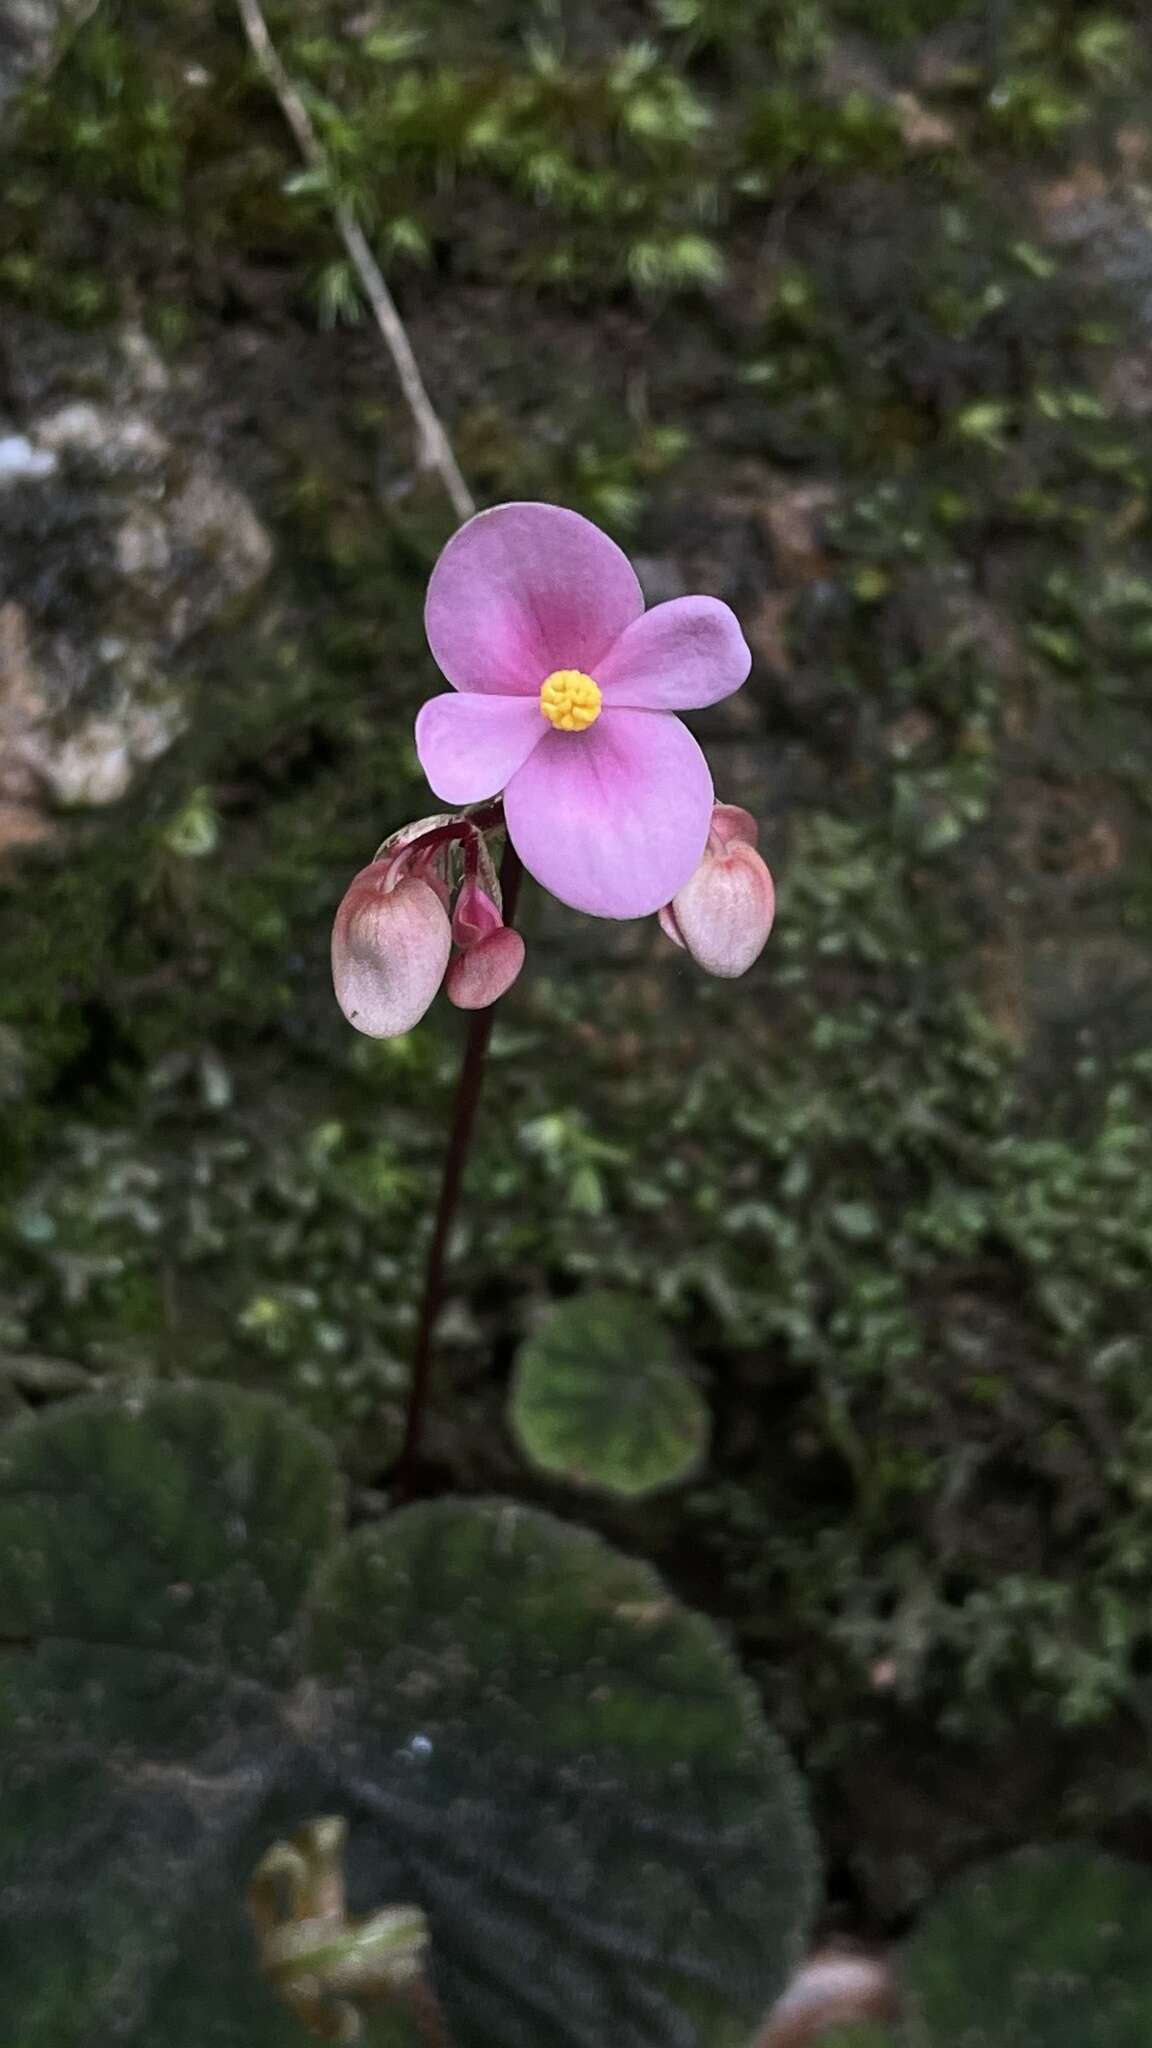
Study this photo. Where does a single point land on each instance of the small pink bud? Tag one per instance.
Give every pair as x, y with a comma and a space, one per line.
666, 919
486, 971
832, 1990
475, 916
723, 914
391, 943
732, 826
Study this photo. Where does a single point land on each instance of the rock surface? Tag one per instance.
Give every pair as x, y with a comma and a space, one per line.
119, 540
29, 30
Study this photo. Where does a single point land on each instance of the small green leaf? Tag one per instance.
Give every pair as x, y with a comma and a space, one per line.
984, 420
523, 1741
601, 1398
1048, 1949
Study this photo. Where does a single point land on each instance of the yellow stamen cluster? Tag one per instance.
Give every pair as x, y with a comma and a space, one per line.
570, 700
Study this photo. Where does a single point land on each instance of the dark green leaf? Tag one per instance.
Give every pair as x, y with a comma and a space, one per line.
1048, 1949
601, 1397
156, 1550
529, 1739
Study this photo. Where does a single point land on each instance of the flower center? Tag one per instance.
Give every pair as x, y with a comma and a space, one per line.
570, 700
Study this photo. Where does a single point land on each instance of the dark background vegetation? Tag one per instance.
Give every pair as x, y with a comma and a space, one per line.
841, 311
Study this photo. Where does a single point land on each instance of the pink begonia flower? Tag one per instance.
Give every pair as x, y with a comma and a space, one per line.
391, 943
564, 696
723, 914
490, 956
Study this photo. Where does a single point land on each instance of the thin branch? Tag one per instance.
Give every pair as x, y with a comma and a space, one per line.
35, 1374
435, 449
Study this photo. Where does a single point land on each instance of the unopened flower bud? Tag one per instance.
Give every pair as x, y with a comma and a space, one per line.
723, 914
475, 917
391, 943
732, 826
490, 956
829, 1993
486, 972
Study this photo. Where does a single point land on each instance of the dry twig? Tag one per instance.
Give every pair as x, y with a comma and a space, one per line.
435, 449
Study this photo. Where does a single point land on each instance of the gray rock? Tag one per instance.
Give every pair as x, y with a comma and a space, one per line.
29, 33
120, 538
102, 440
20, 460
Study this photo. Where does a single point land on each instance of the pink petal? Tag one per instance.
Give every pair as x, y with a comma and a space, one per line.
666, 918
724, 911
469, 747
390, 947
612, 820
486, 972
525, 589
679, 656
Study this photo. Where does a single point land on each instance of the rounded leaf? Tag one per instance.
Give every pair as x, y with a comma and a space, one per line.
156, 1550
600, 1397
178, 1522
526, 1739
1048, 1949
565, 1770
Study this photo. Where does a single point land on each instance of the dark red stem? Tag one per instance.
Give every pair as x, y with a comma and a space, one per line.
455, 1157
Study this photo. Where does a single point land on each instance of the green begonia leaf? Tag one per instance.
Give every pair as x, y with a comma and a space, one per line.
530, 1740
1047, 1949
600, 1397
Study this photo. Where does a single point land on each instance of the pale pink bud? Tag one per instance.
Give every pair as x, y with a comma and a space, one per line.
732, 826
486, 971
667, 921
831, 1990
723, 914
391, 943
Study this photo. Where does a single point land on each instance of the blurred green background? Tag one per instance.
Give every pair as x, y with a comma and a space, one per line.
842, 311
